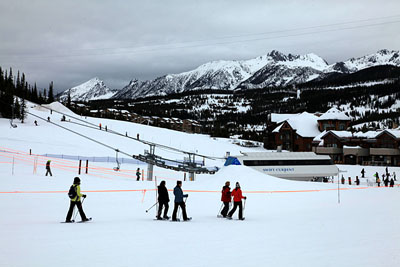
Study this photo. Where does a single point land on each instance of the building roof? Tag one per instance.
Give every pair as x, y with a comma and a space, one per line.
305, 124
281, 155
394, 132
334, 114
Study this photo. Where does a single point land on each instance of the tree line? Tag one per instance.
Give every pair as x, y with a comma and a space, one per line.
15, 90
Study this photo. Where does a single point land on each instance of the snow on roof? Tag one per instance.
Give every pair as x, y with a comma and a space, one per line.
318, 138
282, 155
334, 114
278, 118
347, 134
305, 124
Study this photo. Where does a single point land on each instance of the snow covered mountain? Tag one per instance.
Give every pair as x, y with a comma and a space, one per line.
213, 75
271, 70
382, 57
93, 89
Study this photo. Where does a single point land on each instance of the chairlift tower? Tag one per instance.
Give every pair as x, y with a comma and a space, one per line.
150, 155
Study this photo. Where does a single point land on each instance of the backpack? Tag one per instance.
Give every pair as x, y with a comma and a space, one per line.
72, 192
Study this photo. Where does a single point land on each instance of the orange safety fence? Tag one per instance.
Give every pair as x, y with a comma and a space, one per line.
194, 191
63, 164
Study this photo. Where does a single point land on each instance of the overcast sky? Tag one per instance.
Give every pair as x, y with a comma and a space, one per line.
70, 42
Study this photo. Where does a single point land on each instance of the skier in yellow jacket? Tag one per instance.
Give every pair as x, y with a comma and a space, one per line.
76, 201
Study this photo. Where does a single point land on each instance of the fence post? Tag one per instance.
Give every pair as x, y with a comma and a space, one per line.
87, 166
80, 164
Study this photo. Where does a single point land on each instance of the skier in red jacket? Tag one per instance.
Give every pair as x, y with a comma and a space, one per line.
226, 198
237, 201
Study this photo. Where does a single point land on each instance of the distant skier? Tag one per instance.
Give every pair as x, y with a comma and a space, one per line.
378, 181
237, 202
363, 173
76, 201
376, 176
48, 170
48, 119
386, 182
342, 179
349, 180
394, 176
357, 181
138, 174
137, 136
226, 198
100, 126
105, 128
163, 199
36, 123
391, 182
179, 202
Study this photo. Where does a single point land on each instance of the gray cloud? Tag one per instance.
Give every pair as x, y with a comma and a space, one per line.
70, 42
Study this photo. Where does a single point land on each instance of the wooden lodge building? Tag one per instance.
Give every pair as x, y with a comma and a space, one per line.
327, 135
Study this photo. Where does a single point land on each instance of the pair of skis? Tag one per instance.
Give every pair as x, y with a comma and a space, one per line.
230, 218
73, 221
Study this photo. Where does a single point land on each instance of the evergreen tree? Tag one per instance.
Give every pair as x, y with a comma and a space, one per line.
22, 112
51, 95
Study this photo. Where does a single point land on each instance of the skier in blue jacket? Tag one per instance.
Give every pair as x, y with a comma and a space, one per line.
179, 202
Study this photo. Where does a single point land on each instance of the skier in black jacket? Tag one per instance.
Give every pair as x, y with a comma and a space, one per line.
163, 199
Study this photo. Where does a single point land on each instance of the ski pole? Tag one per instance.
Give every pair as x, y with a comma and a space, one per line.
220, 209
76, 214
152, 206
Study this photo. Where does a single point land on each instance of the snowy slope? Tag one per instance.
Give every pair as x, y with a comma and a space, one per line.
93, 89
286, 224
382, 57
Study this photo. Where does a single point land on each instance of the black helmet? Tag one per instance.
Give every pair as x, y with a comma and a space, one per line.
77, 180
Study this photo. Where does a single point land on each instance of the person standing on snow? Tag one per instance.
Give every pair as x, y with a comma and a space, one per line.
76, 201
237, 202
179, 202
226, 198
163, 199
138, 174
48, 170
363, 173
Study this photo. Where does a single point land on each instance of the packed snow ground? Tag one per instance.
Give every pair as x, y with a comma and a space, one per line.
282, 228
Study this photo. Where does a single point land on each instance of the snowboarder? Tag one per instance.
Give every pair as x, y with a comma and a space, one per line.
226, 198
76, 201
179, 202
48, 170
163, 199
237, 202
357, 181
138, 174
363, 173
36, 123
63, 118
391, 182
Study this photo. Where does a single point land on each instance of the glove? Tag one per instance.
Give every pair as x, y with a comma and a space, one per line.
84, 196
245, 197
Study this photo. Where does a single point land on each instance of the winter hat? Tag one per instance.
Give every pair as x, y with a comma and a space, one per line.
227, 183
162, 183
237, 184
77, 180
178, 182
